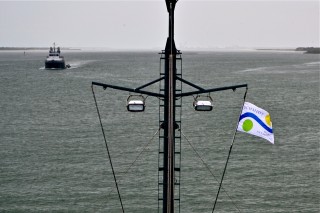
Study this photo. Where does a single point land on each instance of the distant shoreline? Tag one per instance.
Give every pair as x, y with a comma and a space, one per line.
273, 49
307, 50
33, 48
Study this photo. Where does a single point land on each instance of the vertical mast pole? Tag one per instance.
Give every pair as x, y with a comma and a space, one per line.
169, 114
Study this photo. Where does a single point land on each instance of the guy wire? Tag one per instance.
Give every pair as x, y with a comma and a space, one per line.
105, 141
207, 167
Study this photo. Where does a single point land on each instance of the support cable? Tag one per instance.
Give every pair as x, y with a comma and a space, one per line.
105, 141
138, 156
144, 148
207, 167
230, 149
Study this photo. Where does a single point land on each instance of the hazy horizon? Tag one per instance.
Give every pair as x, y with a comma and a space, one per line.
134, 25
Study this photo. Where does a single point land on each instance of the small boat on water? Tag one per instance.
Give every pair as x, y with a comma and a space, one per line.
54, 60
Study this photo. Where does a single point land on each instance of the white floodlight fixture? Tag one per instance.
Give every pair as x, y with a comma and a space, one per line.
203, 105
135, 103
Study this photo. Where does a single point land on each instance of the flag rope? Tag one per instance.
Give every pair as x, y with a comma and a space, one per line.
230, 149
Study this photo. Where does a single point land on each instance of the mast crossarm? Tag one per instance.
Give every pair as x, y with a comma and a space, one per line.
150, 83
189, 83
105, 86
234, 87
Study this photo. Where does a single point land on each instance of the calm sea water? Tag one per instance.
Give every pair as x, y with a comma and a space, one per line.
53, 157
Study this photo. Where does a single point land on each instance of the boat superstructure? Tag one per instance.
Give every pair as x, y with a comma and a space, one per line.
54, 60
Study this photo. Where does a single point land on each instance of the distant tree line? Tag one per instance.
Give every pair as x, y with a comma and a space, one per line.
312, 50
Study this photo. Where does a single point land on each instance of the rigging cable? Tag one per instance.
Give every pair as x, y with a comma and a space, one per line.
144, 148
230, 149
207, 167
105, 141
138, 156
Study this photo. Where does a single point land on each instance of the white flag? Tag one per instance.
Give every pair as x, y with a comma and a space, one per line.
256, 121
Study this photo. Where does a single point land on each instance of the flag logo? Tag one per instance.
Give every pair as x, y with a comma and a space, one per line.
256, 121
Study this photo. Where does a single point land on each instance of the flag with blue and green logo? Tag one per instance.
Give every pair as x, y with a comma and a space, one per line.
256, 121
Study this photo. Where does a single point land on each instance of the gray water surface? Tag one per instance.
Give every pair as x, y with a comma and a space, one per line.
53, 157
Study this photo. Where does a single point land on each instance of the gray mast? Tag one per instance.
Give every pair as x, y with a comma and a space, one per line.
169, 97
169, 114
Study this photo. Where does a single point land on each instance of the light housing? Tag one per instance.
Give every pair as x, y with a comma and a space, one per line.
203, 105
135, 103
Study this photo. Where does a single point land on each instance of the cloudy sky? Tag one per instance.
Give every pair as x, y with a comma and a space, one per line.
134, 24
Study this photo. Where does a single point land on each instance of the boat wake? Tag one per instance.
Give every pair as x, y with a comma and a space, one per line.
73, 64
78, 64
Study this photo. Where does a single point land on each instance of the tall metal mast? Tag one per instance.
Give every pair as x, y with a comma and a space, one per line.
169, 114
169, 97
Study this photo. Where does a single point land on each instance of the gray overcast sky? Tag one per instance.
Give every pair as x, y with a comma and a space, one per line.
133, 24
